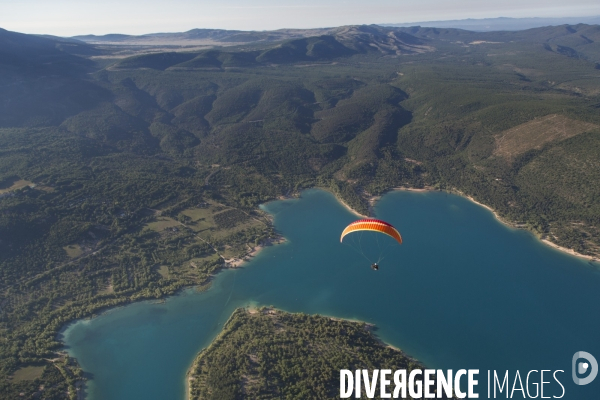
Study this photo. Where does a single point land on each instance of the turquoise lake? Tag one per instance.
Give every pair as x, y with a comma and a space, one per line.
463, 291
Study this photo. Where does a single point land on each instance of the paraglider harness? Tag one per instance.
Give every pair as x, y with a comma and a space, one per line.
375, 267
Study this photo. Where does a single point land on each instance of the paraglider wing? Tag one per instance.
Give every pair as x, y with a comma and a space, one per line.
372, 225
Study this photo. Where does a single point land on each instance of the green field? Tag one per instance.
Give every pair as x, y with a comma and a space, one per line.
27, 374
163, 270
9, 186
162, 223
73, 250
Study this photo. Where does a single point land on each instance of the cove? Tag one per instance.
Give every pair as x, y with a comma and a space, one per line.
463, 291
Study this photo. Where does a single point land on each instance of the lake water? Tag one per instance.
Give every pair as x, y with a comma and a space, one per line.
463, 291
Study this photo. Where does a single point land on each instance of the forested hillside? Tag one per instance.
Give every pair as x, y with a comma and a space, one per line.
270, 354
124, 178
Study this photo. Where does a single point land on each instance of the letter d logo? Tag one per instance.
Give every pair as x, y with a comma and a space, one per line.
582, 368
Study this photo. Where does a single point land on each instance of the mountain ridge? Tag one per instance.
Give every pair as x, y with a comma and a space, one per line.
501, 23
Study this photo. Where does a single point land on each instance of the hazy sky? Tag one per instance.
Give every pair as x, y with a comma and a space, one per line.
75, 17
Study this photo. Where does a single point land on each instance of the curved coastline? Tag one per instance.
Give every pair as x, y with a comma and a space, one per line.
545, 241
353, 211
239, 262
373, 200
342, 202
332, 317
369, 327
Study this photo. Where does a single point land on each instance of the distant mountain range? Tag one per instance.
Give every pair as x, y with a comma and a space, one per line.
222, 37
575, 36
219, 37
356, 39
502, 23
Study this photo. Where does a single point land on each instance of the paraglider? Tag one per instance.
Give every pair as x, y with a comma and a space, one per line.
371, 224
377, 227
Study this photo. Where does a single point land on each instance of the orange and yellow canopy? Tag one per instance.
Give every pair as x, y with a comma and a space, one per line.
372, 225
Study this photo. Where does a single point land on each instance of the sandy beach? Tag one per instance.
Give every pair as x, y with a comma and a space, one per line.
374, 199
353, 211
339, 199
491, 210
407, 189
545, 241
569, 251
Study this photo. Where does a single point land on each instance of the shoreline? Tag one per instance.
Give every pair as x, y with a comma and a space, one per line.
227, 263
342, 202
545, 241
569, 251
239, 262
353, 211
490, 209
372, 200
369, 327
236, 263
